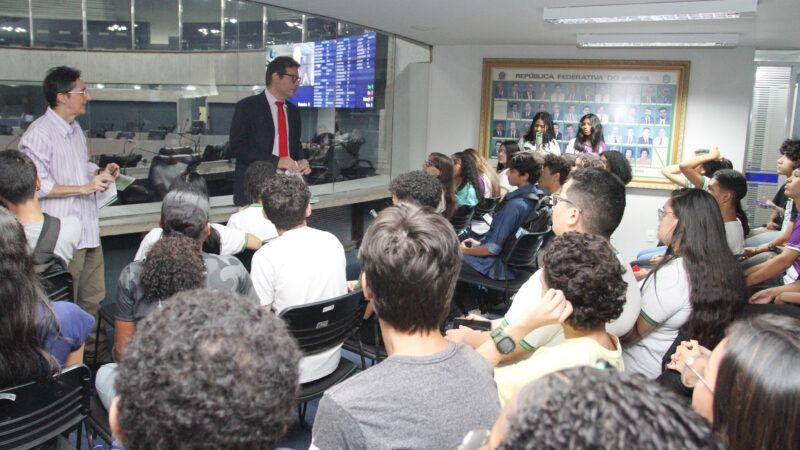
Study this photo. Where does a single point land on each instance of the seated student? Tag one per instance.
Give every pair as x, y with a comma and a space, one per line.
555, 171
429, 392
748, 386
703, 166
227, 241
588, 407
469, 185
784, 214
174, 264
18, 186
729, 187
418, 188
592, 201
441, 167
588, 160
582, 268
211, 370
484, 256
302, 265
787, 260
250, 219
488, 176
616, 163
504, 155
38, 337
696, 290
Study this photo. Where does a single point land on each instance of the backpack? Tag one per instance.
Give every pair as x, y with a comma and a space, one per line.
52, 270
539, 219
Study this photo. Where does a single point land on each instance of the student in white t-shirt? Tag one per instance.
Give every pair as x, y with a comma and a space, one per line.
696, 290
507, 151
302, 265
592, 201
18, 185
729, 187
231, 241
250, 218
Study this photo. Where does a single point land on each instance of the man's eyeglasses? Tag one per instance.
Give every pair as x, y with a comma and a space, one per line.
295, 78
83, 92
557, 198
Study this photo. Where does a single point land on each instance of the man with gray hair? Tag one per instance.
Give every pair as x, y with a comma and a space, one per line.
182, 213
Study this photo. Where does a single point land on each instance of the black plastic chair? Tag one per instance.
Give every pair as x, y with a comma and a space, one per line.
462, 218
375, 351
321, 326
97, 422
106, 313
487, 206
521, 258
36, 412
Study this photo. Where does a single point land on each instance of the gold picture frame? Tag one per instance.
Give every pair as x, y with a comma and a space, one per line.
646, 98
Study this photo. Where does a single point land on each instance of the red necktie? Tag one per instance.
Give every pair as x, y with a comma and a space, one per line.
283, 144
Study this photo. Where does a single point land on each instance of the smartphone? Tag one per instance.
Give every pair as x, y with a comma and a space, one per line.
761, 204
480, 325
539, 137
702, 151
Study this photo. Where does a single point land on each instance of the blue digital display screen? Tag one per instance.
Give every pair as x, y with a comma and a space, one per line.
337, 73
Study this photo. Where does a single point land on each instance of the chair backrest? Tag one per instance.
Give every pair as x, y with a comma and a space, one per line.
462, 217
487, 206
325, 324
35, 412
523, 252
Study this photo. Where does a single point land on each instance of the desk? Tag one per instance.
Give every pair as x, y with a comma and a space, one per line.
210, 170
138, 218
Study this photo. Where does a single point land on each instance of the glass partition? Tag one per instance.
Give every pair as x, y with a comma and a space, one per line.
164, 90
14, 24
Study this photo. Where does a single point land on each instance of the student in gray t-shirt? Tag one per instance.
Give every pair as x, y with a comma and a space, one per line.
429, 393
18, 185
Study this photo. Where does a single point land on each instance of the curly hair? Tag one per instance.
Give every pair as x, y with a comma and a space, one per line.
27, 317
791, 149
619, 165
589, 161
583, 408
256, 177
285, 199
173, 264
417, 187
587, 271
212, 370
469, 173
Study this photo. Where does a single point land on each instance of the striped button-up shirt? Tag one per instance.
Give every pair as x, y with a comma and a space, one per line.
59, 151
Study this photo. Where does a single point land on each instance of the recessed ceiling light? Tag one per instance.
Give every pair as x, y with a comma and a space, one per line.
650, 12
658, 40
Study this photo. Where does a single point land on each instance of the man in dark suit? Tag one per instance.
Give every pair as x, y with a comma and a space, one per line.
498, 130
501, 91
512, 130
662, 117
558, 133
650, 97
528, 114
647, 118
529, 94
256, 132
666, 95
645, 138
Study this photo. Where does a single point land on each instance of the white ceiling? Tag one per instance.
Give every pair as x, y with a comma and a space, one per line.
776, 25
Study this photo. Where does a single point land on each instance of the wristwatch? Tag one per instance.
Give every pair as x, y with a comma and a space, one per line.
504, 343
773, 248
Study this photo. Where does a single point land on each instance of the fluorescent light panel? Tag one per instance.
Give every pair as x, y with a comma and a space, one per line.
650, 12
658, 40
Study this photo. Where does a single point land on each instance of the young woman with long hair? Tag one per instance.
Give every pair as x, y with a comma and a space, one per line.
441, 166
466, 179
589, 137
491, 185
616, 163
507, 151
541, 125
36, 337
696, 290
749, 386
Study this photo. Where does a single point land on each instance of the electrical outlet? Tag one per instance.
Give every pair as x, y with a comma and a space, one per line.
651, 235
